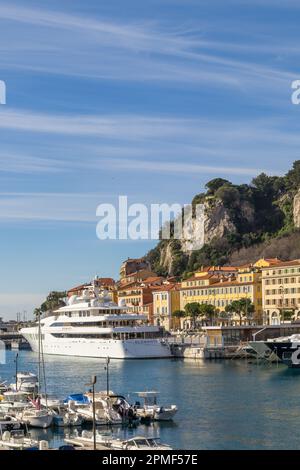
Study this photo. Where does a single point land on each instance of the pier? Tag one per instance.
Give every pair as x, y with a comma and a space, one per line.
14, 340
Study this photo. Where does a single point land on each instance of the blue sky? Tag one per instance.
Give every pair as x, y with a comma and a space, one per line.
147, 99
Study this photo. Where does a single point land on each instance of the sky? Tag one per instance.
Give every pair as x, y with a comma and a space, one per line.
145, 99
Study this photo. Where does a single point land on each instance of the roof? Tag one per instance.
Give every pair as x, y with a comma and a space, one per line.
106, 280
168, 287
218, 268
153, 279
76, 288
202, 278
224, 283
295, 262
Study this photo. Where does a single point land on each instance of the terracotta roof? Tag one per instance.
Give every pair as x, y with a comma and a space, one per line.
295, 262
218, 268
168, 287
75, 289
201, 278
106, 280
153, 279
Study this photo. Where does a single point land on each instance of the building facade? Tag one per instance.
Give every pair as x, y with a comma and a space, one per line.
166, 300
281, 292
222, 288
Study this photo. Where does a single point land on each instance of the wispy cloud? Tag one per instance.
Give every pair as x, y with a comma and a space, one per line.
105, 49
171, 167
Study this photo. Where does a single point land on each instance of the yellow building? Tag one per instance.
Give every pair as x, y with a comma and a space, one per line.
223, 288
166, 300
281, 292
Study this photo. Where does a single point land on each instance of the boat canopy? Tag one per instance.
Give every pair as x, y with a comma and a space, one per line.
77, 397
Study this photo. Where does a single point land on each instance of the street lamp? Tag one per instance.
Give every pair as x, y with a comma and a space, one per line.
107, 374
16, 362
92, 384
282, 299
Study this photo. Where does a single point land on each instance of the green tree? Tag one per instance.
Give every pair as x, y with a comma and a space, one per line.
178, 313
244, 308
192, 310
54, 300
208, 311
213, 185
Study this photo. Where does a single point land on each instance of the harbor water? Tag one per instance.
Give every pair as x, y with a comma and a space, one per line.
222, 404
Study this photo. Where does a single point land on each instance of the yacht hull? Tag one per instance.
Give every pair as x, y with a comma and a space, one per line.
100, 348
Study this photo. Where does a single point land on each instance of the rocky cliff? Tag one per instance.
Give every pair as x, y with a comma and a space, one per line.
229, 219
296, 210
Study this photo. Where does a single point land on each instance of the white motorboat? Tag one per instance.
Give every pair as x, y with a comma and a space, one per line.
64, 417
86, 440
149, 409
49, 401
82, 404
103, 414
3, 387
139, 443
14, 402
17, 440
26, 382
36, 418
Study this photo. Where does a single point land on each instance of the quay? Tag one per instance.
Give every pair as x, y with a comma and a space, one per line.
14, 340
226, 342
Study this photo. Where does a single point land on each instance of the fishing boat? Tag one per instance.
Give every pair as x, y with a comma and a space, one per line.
150, 410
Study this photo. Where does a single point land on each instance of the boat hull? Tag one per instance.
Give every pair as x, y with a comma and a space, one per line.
100, 348
288, 353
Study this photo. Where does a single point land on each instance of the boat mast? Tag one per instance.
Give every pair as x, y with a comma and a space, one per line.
39, 354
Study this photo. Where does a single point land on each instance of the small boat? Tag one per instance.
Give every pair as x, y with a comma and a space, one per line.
36, 418
9, 423
64, 417
104, 411
139, 443
14, 402
17, 440
26, 382
49, 401
86, 440
150, 410
3, 388
103, 415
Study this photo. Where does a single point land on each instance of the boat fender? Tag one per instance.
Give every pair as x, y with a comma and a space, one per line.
6, 436
43, 445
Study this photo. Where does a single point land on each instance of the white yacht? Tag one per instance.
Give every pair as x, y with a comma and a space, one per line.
91, 325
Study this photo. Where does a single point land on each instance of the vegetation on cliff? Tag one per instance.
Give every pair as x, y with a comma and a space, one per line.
261, 214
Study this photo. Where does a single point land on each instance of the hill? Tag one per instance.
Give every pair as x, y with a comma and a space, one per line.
240, 224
